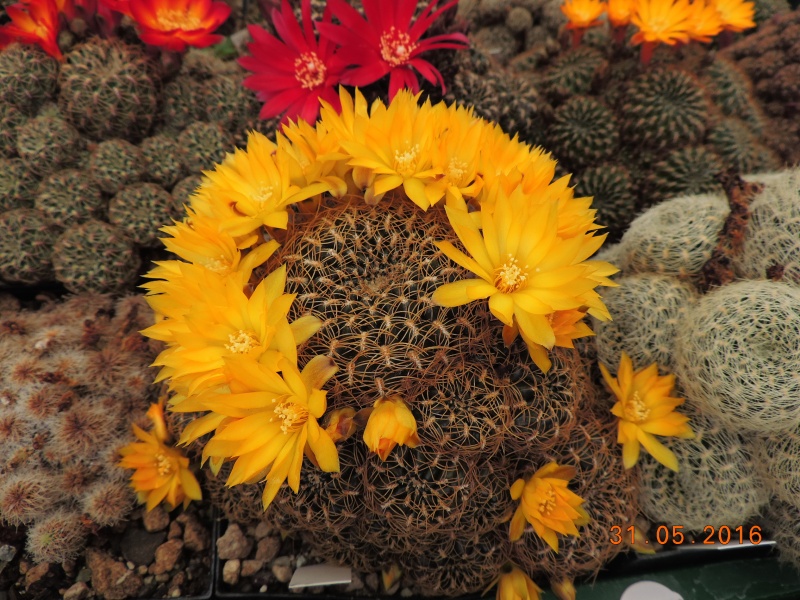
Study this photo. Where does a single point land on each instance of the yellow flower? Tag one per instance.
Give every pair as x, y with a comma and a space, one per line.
390, 423
619, 12
455, 155
547, 504
736, 15
161, 472
267, 421
395, 149
583, 13
660, 22
645, 408
524, 268
705, 21
225, 322
514, 584
563, 589
252, 188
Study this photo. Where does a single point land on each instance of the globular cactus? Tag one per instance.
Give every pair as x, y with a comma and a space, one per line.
28, 77
574, 72
652, 306
179, 105
108, 90
47, 144
739, 149
685, 171
62, 422
18, 184
780, 454
227, 102
732, 91
140, 210
773, 232
26, 249
675, 237
161, 159
664, 107
583, 132
69, 197
719, 481
10, 118
184, 189
113, 164
611, 187
95, 257
203, 144
782, 520
745, 333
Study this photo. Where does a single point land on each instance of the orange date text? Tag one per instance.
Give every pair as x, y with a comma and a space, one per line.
675, 535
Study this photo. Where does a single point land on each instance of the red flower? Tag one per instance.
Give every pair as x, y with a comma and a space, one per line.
175, 24
294, 72
33, 22
387, 42
120, 6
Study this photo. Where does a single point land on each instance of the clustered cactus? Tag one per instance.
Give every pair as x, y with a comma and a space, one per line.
72, 377
92, 147
732, 346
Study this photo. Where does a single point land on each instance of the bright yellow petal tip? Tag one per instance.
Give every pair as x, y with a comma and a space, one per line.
390, 423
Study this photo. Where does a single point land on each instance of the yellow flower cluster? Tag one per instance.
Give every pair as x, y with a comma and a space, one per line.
231, 351
662, 21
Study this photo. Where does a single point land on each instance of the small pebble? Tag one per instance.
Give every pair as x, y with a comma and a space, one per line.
130, 565
251, 567
262, 589
142, 570
175, 593
282, 569
406, 593
230, 571
372, 581
175, 531
156, 519
268, 548
263, 529
162, 578
301, 560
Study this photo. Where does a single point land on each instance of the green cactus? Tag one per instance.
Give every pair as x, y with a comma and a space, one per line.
227, 102
95, 257
69, 197
108, 90
611, 186
740, 149
26, 247
663, 108
583, 132
114, 164
17, 184
47, 144
574, 72
140, 210
28, 77
180, 100
10, 119
202, 145
185, 188
162, 163
731, 91
684, 171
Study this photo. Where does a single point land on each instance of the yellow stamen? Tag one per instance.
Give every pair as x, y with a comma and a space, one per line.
548, 503
509, 277
635, 408
178, 19
293, 415
163, 464
242, 342
406, 162
456, 169
263, 194
309, 70
396, 47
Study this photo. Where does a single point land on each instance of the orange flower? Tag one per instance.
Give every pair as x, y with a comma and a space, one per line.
660, 22
547, 504
735, 14
514, 584
390, 423
33, 22
705, 22
619, 12
175, 24
583, 14
161, 471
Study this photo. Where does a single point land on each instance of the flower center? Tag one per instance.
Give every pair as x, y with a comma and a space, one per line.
242, 342
509, 277
292, 414
396, 47
163, 464
171, 18
405, 163
218, 265
262, 194
456, 169
309, 70
547, 503
635, 408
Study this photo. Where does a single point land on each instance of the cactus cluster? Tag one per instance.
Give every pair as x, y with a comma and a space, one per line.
733, 348
94, 147
770, 57
72, 376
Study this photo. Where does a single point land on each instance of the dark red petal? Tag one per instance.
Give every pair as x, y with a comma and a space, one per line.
359, 30
426, 19
402, 77
162, 40
403, 11
218, 14
428, 71
269, 83
378, 15
365, 75
288, 28
143, 13
278, 103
